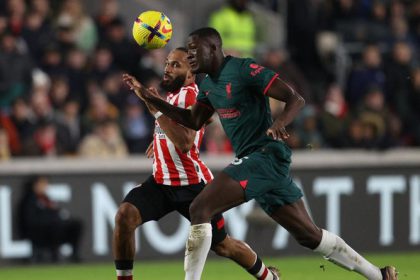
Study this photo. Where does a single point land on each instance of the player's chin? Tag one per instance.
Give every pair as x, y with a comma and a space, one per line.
195, 69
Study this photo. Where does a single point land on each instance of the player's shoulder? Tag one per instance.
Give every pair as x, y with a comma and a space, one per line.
191, 89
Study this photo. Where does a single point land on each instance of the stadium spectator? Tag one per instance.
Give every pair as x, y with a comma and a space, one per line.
102, 64
69, 120
15, 71
237, 27
125, 51
16, 10
334, 117
37, 34
81, 25
108, 12
407, 104
114, 90
59, 92
21, 116
398, 69
105, 141
46, 224
77, 73
307, 128
374, 116
136, 126
99, 109
368, 73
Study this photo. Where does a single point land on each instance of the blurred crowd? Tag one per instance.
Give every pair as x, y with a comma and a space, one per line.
354, 61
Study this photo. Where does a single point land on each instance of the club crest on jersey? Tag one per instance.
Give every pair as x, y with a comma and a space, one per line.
229, 90
257, 69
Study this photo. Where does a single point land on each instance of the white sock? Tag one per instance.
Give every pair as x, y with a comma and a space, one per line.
196, 250
334, 249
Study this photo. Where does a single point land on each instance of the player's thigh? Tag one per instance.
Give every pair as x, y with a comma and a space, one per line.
220, 195
149, 200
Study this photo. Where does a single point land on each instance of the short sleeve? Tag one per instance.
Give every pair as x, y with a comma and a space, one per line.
203, 99
257, 76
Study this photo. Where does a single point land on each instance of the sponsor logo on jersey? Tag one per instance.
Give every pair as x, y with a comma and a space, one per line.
229, 90
229, 113
257, 69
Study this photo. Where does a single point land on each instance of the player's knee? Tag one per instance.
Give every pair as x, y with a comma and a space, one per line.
199, 212
127, 216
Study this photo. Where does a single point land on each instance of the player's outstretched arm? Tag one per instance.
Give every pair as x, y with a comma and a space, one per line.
282, 91
194, 118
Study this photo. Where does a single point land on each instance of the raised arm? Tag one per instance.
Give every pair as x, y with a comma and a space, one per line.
194, 118
282, 91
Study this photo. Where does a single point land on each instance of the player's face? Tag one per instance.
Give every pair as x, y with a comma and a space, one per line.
199, 54
176, 71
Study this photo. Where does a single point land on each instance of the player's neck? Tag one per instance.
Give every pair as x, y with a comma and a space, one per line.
218, 63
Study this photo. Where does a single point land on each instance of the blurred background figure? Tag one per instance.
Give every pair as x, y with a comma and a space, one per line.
237, 27
46, 224
105, 141
215, 139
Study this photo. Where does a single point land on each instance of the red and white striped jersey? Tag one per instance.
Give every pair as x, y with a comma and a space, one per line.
172, 167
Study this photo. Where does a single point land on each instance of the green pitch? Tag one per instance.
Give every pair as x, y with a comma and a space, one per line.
296, 268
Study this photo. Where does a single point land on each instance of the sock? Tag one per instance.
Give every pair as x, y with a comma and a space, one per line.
196, 250
260, 271
124, 269
335, 250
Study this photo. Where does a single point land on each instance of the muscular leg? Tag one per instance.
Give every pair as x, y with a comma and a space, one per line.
127, 219
220, 195
296, 220
242, 254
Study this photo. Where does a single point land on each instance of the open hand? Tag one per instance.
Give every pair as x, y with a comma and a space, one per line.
278, 131
136, 86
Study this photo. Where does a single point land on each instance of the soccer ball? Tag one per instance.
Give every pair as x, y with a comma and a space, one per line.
152, 30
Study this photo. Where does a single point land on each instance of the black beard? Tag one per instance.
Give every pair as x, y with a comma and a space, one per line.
173, 86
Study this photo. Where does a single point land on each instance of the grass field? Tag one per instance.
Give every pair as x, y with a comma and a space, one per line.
296, 268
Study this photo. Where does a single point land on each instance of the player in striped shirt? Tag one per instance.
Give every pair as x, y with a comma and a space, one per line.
178, 177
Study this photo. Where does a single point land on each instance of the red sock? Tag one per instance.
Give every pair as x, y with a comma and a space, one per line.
125, 277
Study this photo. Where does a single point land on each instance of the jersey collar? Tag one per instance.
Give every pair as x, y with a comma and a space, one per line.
193, 85
225, 61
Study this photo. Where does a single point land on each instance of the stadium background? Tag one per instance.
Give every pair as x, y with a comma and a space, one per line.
65, 114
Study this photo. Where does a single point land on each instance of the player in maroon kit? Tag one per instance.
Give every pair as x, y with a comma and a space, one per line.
178, 177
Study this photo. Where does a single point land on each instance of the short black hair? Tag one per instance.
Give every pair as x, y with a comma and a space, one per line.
182, 49
207, 32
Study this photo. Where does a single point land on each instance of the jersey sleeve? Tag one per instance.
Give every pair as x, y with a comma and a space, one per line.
257, 76
203, 99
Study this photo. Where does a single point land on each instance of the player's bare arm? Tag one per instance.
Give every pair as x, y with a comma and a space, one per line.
194, 118
282, 91
182, 137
